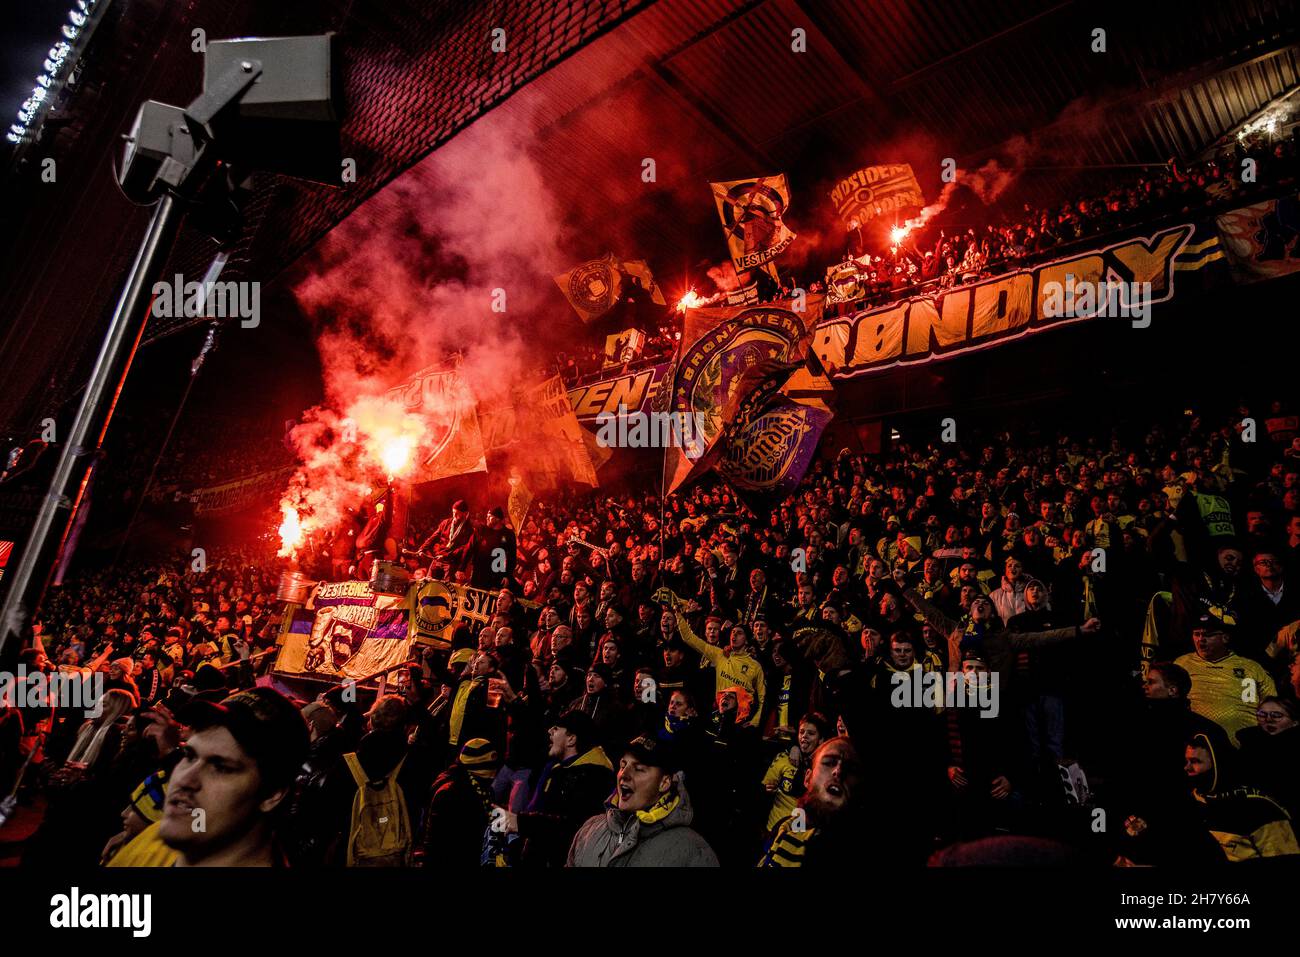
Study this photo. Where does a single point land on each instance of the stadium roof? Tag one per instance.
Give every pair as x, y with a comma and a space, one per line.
713, 87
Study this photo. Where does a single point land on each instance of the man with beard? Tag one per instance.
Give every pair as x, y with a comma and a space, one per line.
820, 831
493, 549
451, 543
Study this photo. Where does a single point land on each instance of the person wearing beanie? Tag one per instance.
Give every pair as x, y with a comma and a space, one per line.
602, 704
121, 674
646, 821
460, 809
210, 683
1043, 675
312, 821
565, 683
144, 809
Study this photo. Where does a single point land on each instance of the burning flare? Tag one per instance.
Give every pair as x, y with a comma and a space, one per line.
396, 453
692, 300
899, 233
290, 531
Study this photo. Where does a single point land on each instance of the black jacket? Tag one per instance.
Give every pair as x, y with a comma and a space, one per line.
458, 814
567, 794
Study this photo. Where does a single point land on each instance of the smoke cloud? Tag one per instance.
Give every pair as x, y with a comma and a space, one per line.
453, 257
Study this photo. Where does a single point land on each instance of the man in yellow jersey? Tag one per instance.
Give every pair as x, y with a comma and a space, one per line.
784, 777
1226, 688
734, 665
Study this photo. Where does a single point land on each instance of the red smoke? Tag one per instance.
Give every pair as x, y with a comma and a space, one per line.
455, 256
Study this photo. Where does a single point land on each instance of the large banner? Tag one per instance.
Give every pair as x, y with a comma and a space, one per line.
346, 631
876, 191
439, 606
537, 426
752, 213
719, 347
1014, 305
229, 496
561, 449
773, 437
633, 390
1263, 240
453, 443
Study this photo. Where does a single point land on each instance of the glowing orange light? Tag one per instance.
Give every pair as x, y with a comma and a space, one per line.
395, 454
690, 301
898, 234
290, 530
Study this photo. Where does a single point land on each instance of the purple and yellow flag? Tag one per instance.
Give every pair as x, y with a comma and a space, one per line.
726, 354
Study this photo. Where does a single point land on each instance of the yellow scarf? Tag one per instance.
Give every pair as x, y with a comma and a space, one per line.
660, 809
458, 704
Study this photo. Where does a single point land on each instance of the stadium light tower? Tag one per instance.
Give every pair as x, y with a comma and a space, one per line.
268, 104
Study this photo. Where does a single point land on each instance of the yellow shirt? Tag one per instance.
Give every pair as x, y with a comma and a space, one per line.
1227, 691
783, 774
146, 849
732, 669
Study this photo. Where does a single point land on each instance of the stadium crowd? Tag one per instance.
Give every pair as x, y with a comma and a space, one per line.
950, 652
929, 260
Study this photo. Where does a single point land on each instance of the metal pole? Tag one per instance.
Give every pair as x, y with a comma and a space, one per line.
91, 422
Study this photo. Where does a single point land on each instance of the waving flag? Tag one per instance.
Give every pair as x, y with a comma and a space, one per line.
752, 213
726, 354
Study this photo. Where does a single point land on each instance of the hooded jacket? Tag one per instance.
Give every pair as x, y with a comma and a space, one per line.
1247, 823
660, 836
567, 794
